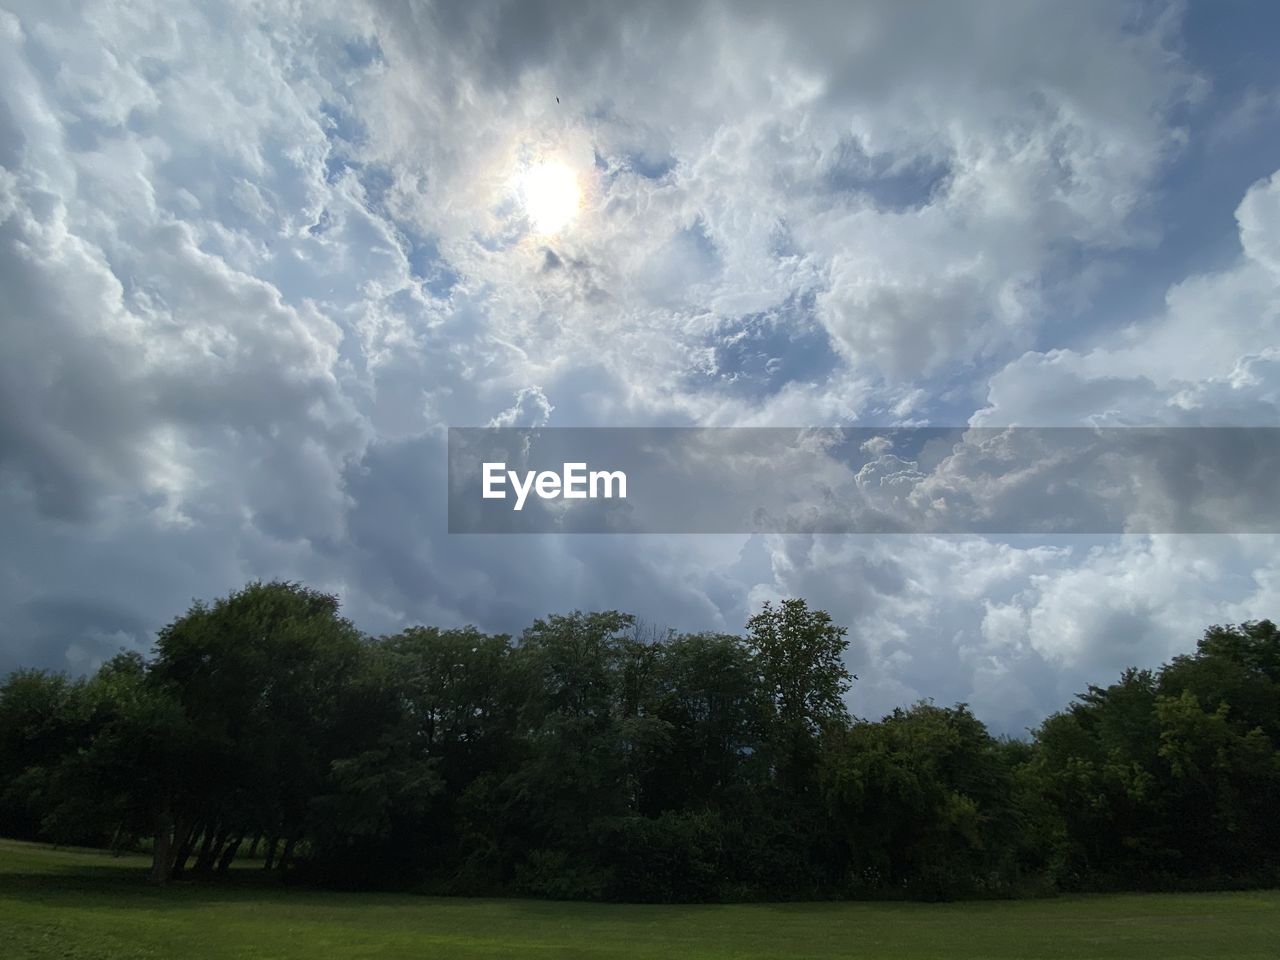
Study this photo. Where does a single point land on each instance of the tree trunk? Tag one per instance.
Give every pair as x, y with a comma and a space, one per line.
271, 853
209, 851
288, 852
202, 858
229, 854
162, 857
185, 837
253, 847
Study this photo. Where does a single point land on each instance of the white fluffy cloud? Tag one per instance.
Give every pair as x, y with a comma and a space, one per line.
1209, 358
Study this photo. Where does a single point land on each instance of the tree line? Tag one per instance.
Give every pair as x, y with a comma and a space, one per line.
589, 758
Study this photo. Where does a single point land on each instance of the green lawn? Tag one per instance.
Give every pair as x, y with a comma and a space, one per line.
84, 904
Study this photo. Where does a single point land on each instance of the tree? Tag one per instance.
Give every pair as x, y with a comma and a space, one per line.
259, 677
800, 655
1099, 762
594, 759
707, 693
449, 720
42, 720
574, 768
924, 800
1168, 778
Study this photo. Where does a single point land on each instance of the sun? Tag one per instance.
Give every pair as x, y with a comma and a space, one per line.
550, 195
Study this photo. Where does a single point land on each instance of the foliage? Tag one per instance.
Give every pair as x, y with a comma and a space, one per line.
590, 758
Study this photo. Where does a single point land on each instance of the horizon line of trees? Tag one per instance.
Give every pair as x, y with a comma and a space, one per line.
589, 758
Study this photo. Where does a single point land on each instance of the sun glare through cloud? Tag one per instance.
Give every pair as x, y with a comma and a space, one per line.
551, 196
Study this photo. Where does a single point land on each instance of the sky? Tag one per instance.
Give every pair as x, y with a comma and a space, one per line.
257, 257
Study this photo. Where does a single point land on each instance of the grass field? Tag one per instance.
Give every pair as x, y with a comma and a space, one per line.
79, 905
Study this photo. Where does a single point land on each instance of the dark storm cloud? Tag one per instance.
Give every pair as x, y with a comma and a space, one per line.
498, 42
67, 632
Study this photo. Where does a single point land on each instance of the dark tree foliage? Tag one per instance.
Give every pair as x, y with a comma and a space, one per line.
799, 656
1172, 779
926, 801
592, 758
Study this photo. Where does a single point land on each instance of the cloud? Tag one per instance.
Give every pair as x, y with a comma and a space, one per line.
1036, 150
1206, 359
256, 259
